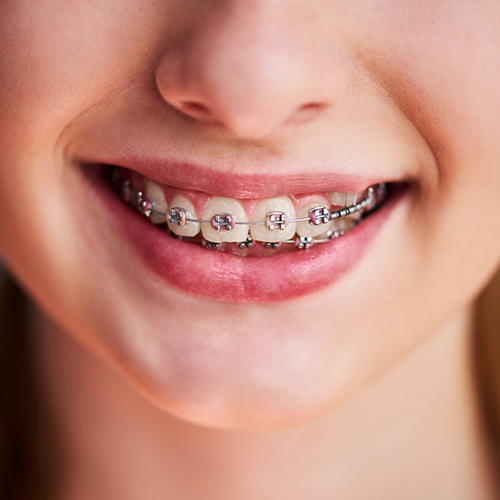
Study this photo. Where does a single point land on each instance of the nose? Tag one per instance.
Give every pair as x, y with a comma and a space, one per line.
252, 67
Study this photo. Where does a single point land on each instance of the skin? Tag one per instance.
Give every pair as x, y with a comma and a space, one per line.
406, 89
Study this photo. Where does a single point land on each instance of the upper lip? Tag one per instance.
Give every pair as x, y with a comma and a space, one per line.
227, 180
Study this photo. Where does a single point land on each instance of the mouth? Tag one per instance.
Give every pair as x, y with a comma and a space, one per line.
244, 249
282, 224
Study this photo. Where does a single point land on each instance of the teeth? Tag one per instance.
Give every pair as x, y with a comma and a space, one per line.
306, 228
225, 219
223, 206
260, 232
343, 199
343, 224
337, 199
191, 228
351, 199
155, 193
355, 216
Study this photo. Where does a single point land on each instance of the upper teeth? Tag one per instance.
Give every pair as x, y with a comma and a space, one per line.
179, 225
223, 214
273, 220
342, 199
155, 193
278, 212
305, 228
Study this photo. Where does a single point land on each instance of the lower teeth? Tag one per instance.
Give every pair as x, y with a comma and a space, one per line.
263, 247
376, 196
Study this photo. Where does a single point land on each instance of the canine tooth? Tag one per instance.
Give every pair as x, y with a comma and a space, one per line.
259, 232
191, 228
351, 199
343, 199
155, 193
217, 210
337, 199
305, 228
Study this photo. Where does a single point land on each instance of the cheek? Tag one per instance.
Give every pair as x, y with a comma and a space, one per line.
444, 75
62, 57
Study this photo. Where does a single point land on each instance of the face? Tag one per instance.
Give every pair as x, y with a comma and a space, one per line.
223, 105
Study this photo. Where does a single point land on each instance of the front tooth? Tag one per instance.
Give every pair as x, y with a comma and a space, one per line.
191, 228
154, 192
259, 232
343, 199
224, 207
305, 228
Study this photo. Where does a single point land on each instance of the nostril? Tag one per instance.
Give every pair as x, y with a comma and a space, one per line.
307, 112
312, 106
194, 109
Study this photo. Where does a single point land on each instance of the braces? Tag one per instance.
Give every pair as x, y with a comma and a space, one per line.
224, 222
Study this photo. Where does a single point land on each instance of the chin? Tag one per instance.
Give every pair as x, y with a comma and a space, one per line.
230, 392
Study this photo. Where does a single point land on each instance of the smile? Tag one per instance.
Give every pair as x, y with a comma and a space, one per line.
224, 224
242, 249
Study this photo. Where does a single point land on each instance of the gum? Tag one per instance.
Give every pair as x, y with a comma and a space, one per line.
200, 199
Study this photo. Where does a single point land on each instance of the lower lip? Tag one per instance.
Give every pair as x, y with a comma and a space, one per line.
218, 275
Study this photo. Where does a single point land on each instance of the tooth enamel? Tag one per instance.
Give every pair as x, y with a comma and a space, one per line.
155, 193
219, 205
351, 199
260, 232
225, 220
343, 199
306, 228
343, 224
337, 199
355, 216
191, 228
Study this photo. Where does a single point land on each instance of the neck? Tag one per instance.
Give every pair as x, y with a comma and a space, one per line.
414, 429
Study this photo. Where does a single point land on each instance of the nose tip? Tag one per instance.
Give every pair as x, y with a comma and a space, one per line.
250, 76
